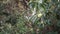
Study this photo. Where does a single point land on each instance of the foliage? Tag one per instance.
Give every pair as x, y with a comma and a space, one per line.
29, 17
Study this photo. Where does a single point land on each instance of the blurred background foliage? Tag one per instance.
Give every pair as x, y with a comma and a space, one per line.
29, 16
